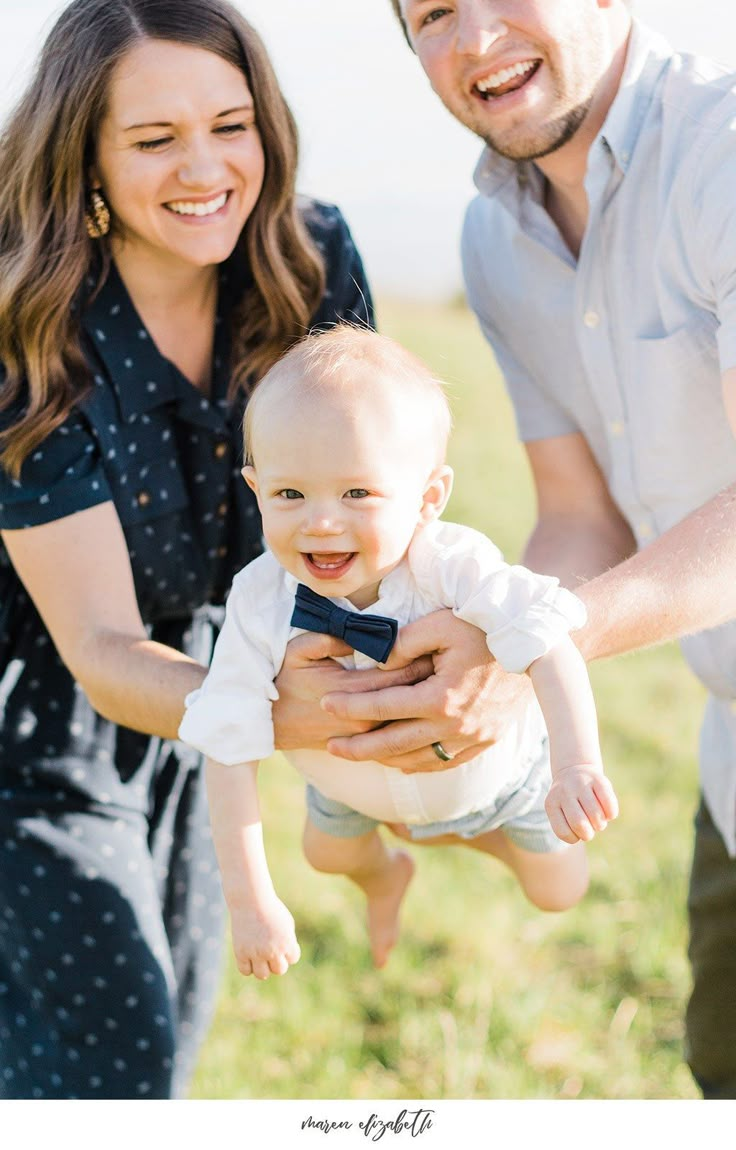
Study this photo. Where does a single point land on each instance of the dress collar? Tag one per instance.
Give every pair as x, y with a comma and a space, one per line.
142, 379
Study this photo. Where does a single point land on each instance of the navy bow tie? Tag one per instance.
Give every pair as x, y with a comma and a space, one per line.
374, 635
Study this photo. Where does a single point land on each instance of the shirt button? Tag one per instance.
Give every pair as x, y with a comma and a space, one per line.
645, 530
617, 427
221, 552
591, 319
222, 510
143, 498
220, 450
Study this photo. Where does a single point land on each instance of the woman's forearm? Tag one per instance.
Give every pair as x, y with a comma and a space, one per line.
136, 682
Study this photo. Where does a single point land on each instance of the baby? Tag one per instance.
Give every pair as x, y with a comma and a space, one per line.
345, 442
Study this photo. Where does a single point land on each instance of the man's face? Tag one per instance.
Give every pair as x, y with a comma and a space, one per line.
521, 74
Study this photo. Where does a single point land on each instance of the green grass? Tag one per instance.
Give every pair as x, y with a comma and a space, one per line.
486, 997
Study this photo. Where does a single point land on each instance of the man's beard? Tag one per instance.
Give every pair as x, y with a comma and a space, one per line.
549, 138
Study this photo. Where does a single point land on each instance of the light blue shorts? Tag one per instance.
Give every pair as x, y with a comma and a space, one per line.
517, 810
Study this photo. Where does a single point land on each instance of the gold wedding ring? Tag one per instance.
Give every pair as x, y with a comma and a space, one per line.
441, 753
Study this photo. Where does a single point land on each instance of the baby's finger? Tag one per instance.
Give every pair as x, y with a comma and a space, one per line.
578, 821
261, 968
593, 809
606, 796
559, 823
279, 964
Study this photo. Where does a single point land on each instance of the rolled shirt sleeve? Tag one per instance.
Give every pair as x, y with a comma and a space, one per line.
523, 614
228, 718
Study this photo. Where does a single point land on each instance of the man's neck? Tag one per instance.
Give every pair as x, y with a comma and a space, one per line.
566, 199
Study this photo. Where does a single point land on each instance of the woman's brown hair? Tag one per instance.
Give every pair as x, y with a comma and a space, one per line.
46, 256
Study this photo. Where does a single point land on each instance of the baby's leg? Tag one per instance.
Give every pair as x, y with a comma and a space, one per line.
552, 880
382, 874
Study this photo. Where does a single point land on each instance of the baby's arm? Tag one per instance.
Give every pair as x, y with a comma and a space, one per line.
581, 799
264, 939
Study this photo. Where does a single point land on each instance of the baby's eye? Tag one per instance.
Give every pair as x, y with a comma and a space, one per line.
357, 493
290, 493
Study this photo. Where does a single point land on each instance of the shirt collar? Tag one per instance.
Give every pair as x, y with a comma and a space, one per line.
142, 379
646, 55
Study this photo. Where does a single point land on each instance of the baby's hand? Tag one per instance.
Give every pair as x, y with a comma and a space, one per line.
264, 938
580, 802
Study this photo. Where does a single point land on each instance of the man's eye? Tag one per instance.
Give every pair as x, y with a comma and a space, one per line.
290, 493
357, 493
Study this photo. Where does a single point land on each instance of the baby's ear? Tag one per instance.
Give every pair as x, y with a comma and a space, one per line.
250, 477
436, 494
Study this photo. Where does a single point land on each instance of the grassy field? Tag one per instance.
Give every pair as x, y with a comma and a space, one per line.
485, 997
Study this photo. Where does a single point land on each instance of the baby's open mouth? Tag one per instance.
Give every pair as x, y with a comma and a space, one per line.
507, 79
328, 564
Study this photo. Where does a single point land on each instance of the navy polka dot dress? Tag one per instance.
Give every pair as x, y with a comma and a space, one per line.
111, 916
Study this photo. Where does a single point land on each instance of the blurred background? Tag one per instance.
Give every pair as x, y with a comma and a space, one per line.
485, 997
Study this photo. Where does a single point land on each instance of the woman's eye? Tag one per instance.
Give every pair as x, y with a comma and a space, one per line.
433, 16
290, 493
231, 129
357, 493
152, 145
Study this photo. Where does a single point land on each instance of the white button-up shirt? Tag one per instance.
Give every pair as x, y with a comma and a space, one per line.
523, 615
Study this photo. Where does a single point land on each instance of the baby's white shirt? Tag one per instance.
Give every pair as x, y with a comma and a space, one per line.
447, 565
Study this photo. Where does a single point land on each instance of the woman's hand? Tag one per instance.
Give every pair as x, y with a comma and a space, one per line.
309, 672
465, 704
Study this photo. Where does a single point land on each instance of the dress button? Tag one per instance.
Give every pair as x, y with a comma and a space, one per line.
591, 319
220, 450
143, 498
617, 427
645, 530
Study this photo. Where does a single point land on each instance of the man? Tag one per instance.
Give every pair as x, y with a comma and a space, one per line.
600, 259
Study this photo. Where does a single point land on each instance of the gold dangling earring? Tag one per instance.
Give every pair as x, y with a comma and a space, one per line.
97, 215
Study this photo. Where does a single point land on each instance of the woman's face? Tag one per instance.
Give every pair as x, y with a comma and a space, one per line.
179, 156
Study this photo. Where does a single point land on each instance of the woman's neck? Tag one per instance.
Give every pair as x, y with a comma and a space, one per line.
177, 305
157, 289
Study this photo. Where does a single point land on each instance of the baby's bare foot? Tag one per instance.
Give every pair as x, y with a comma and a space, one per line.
384, 905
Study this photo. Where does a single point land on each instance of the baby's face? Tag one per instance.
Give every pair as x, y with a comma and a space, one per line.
341, 493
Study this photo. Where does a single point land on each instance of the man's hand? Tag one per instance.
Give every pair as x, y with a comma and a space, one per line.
309, 672
465, 704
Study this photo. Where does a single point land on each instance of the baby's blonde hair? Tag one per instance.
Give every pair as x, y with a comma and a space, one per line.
323, 365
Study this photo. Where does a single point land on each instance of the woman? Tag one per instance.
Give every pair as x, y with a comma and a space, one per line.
153, 265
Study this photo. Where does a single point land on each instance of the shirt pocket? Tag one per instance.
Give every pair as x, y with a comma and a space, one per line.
148, 492
684, 446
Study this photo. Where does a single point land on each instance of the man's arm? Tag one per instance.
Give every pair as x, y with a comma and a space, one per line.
680, 584
580, 531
